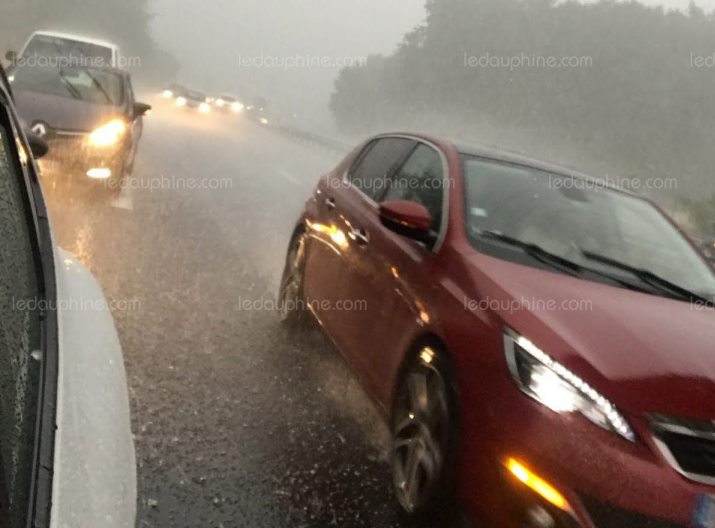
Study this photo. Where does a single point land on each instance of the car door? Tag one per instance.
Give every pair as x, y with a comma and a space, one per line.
27, 326
337, 243
395, 274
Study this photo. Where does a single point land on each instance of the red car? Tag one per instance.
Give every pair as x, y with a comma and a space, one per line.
543, 345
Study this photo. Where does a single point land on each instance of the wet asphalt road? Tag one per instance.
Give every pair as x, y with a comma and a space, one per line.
238, 422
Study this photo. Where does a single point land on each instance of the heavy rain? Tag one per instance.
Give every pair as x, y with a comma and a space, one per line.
357, 264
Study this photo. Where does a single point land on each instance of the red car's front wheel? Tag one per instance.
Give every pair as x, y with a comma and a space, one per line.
424, 433
291, 306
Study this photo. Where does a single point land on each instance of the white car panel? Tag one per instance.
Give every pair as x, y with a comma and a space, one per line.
76, 38
95, 472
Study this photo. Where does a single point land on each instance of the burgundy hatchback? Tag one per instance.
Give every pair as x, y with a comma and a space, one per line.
543, 344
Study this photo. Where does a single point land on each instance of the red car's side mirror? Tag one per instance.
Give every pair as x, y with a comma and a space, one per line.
409, 219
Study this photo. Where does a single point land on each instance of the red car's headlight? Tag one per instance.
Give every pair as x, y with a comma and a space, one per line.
553, 385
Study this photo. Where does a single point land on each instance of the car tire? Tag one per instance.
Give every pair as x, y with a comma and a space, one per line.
130, 162
424, 427
291, 301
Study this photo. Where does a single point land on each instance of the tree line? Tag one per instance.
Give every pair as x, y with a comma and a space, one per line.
616, 88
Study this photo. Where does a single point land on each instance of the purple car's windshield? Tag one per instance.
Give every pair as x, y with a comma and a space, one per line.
579, 220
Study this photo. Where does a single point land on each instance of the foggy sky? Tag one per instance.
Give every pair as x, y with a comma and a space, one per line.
210, 37
226, 45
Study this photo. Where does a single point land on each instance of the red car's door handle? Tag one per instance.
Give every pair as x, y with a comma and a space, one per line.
359, 236
330, 203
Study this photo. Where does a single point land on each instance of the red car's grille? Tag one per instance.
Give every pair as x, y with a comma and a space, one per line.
607, 516
689, 445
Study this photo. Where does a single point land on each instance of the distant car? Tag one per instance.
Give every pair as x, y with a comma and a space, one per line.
228, 103
76, 50
258, 110
193, 99
261, 111
541, 343
88, 116
173, 91
64, 405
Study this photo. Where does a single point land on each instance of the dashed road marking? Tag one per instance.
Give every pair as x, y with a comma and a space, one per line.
124, 200
288, 176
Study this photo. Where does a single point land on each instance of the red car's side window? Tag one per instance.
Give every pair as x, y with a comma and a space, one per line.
373, 168
421, 180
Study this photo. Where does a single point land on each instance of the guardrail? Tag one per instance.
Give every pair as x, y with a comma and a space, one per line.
306, 137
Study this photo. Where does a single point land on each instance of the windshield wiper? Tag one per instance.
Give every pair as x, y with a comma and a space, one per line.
573, 268
535, 251
74, 92
648, 277
100, 87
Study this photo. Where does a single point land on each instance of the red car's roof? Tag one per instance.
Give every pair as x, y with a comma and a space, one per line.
506, 156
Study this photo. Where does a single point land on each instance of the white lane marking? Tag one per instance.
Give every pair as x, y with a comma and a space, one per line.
124, 200
288, 176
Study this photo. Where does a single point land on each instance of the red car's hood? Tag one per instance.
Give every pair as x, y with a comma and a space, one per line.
647, 354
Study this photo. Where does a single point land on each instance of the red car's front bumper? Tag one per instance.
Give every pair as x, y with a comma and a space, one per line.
607, 481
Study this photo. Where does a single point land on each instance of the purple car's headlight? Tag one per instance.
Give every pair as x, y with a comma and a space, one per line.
554, 386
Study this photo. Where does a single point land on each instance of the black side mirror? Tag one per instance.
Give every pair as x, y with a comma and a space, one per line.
140, 110
11, 57
38, 146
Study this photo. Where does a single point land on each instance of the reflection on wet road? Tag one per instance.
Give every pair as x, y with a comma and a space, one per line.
238, 422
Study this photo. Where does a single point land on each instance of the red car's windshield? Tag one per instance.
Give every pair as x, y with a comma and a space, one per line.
574, 218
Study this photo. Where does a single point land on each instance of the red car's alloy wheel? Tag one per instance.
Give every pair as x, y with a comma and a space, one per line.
422, 432
290, 295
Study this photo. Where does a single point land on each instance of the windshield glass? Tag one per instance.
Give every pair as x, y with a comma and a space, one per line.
85, 84
570, 217
75, 53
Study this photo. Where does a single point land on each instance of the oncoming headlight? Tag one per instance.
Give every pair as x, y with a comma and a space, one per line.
556, 387
108, 134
